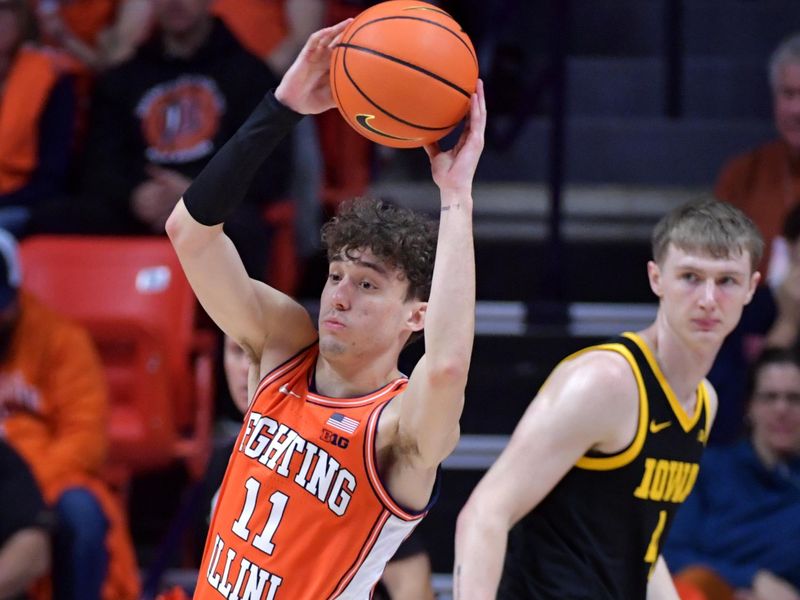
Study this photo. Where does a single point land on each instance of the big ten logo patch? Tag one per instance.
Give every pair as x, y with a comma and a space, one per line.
180, 118
334, 438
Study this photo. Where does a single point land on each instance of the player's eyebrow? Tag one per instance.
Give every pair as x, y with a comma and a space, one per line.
375, 266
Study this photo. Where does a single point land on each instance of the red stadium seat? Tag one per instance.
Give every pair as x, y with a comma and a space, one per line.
132, 296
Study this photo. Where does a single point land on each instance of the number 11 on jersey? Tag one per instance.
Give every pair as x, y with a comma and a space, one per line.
263, 541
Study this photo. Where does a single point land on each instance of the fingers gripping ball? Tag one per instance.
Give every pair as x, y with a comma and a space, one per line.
403, 73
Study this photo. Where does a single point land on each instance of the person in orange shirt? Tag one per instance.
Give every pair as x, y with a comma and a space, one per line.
339, 454
53, 408
37, 120
765, 182
98, 33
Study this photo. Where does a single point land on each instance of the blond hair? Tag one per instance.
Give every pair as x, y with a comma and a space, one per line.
708, 226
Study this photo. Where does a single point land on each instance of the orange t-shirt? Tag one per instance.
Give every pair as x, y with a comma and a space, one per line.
33, 75
53, 411
302, 513
762, 185
259, 25
85, 18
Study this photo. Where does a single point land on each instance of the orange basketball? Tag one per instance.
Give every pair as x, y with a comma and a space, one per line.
403, 73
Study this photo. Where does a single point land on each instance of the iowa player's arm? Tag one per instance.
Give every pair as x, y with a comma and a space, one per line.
424, 427
269, 325
589, 402
660, 586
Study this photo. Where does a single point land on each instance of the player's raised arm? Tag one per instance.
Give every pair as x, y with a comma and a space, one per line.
580, 407
255, 315
431, 406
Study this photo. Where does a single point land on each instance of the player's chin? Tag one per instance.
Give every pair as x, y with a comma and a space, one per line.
330, 346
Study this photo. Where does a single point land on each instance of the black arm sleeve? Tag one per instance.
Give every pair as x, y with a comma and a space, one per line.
225, 180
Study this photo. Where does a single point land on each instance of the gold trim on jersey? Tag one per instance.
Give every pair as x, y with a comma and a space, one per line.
622, 458
686, 422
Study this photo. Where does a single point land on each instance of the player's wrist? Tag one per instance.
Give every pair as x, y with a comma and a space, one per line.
455, 200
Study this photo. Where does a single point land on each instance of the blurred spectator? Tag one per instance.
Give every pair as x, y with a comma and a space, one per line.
765, 182
275, 31
37, 119
347, 154
739, 529
786, 281
158, 118
53, 406
98, 33
24, 526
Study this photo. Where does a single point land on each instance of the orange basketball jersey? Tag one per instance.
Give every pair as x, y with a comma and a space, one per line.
302, 513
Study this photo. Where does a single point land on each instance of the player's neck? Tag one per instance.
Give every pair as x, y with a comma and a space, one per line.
684, 367
351, 379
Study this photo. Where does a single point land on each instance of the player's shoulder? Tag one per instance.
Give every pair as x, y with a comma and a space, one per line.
599, 366
596, 379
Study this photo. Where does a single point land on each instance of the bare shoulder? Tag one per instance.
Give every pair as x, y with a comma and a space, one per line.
598, 378
587, 402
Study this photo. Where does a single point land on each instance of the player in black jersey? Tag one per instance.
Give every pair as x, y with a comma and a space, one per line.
610, 447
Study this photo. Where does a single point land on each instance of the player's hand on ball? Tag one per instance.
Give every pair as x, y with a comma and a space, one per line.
454, 169
306, 87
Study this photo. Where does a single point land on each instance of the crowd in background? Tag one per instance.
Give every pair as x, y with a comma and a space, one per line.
109, 109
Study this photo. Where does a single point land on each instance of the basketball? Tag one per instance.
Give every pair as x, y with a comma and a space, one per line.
403, 73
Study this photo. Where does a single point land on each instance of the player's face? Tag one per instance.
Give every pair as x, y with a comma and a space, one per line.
363, 310
774, 410
237, 368
787, 104
702, 297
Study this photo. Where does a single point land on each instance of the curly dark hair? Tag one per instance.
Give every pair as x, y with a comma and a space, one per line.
402, 238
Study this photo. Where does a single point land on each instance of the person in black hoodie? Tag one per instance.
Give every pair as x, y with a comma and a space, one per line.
158, 118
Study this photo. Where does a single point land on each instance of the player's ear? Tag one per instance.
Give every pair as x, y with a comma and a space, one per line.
654, 276
416, 316
755, 278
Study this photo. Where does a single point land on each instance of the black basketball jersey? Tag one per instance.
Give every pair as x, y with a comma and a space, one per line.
598, 533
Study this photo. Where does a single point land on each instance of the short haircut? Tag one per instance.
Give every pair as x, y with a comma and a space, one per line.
708, 226
787, 52
769, 356
397, 236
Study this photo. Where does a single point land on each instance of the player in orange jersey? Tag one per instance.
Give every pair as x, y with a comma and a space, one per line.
338, 457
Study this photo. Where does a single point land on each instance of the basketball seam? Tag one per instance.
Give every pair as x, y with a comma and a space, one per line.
405, 63
380, 108
440, 25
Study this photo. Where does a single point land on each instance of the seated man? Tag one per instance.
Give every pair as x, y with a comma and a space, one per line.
739, 529
37, 118
159, 117
53, 407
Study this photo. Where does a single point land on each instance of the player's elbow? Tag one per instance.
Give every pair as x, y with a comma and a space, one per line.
480, 513
448, 373
186, 234
176, 226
